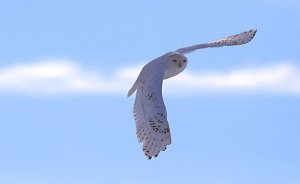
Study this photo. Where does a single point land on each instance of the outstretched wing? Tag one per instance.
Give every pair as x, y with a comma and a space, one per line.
150, 113
237, 39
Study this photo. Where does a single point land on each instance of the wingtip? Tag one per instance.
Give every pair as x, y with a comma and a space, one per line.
243, 37
129, 94
253, 31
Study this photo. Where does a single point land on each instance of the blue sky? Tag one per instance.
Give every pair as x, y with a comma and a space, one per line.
66, 67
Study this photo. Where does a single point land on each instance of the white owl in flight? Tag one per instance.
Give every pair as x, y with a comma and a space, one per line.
150, 114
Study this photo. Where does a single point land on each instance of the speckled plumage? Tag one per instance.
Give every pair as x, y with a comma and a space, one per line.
150, 114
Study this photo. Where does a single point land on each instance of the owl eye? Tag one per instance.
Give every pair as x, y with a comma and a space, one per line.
184, 60
174, 60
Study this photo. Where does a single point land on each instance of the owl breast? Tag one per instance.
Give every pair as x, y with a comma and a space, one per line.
173, 71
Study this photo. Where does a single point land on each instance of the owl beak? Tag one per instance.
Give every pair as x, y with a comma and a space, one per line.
180, 64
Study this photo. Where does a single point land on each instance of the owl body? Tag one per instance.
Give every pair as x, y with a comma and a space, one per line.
150, 114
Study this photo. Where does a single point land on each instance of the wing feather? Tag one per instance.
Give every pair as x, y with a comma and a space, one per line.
150, 113
237, 39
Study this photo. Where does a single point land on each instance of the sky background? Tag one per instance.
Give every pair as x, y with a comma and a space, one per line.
66, 67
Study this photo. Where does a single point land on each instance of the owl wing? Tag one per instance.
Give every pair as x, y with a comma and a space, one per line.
150, 113
237, 39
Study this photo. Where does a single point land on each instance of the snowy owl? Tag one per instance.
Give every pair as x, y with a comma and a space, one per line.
149, 110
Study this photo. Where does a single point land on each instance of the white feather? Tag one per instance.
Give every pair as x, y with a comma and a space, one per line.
237, 39
150, 114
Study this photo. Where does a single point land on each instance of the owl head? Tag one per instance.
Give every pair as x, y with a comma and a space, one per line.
175, 63
177, 60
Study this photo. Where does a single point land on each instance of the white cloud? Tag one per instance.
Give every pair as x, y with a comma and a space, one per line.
57, 77
275, 79
65, 77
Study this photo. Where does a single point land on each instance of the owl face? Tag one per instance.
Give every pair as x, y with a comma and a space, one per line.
175, 64
178, 60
